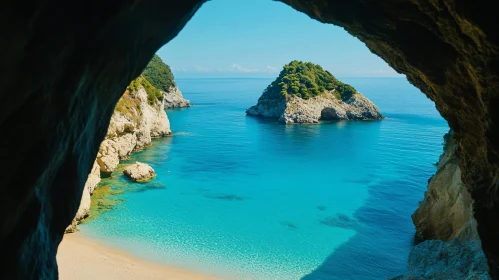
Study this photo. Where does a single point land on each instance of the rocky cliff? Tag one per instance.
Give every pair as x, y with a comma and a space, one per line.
446, 211
138, 117
173, 98
161, 77
450, 247
306, 93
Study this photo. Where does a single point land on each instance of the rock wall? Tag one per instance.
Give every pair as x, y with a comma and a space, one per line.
439, 260
450, 247
133, 125
292, 109
174, 99
446, 211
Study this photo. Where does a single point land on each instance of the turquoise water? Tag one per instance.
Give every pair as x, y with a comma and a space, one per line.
247, 198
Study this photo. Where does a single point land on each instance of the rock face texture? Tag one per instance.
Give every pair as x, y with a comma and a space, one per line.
439, 260
446, 211
84, 209
292, 109
175, 99
69, 69
444, 222
306, 93
134, 123
139, 172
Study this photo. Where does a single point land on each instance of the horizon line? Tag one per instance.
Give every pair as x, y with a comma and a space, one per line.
350, 77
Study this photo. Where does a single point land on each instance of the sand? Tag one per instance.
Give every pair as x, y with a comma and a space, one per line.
83, 258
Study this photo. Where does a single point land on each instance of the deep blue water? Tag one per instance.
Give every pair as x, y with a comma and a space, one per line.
248, 198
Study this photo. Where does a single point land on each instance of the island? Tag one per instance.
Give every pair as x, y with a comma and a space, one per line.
305, 93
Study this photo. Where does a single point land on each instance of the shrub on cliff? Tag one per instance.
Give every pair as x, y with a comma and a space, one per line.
306, 80
159, 74
153, 94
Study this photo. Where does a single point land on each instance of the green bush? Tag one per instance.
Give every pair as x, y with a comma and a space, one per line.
306, 80
159, 74
153, 94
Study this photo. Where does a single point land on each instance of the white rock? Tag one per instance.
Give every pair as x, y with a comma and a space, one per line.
93, 180
174, 99
139, 172
153, 123
131, 132
292, 109
128, 131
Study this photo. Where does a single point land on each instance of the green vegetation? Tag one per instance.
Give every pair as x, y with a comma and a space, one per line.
306, 80
153, 94
159, 74
155, 78
126, 104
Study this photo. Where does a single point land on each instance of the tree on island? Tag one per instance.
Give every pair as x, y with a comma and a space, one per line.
306, 80
159, 74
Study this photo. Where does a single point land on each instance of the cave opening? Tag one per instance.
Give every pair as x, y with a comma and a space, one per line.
73, 74
339, 209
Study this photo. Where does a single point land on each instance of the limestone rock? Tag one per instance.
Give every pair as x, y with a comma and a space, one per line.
292, 109
131, 129
445, 220
446, 210
174, 99
438, 260
134, 122
84, 209
139, 172
153, 122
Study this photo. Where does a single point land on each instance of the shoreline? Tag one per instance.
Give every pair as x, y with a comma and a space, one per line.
81, 257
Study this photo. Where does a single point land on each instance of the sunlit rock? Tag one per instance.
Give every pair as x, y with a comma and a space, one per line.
139, 172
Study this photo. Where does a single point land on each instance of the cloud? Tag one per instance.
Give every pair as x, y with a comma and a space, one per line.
271, 69
182, 69
234, 68
382, 72
385, 71
202, 69
238, 68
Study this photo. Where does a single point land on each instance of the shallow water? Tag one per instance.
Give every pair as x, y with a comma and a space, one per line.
248, 198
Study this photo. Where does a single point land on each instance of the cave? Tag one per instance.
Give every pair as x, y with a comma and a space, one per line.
67, 63
329, 114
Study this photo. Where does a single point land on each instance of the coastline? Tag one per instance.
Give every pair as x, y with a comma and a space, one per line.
81, 257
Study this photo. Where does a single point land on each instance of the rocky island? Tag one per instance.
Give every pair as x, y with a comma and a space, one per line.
306, 93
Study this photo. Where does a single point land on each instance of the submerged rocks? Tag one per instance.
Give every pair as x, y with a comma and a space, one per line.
438, 260
306, 93
139, 172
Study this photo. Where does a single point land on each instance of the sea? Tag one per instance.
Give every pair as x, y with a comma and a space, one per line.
242, 197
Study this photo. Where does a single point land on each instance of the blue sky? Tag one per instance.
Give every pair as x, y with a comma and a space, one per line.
255, 38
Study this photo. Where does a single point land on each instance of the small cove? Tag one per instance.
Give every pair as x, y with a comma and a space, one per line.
248, 198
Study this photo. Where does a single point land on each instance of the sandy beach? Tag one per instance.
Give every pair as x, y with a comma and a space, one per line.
80, 257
